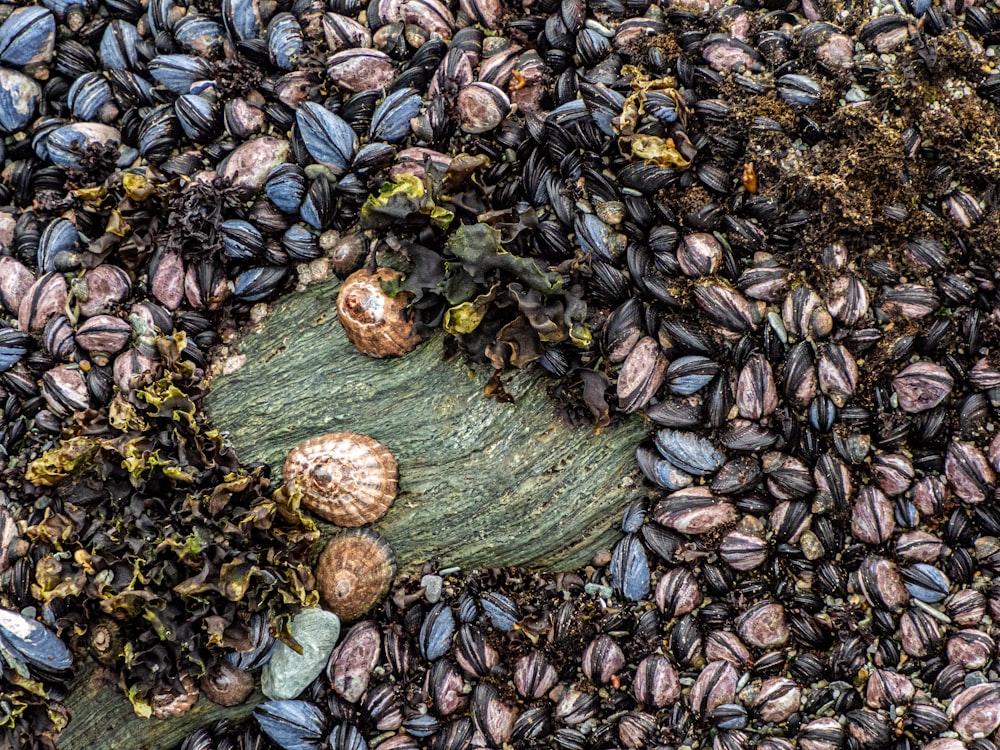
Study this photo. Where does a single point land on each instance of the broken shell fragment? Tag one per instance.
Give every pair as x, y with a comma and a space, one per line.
172, 703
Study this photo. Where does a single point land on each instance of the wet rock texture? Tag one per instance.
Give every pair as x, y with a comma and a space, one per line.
447, 439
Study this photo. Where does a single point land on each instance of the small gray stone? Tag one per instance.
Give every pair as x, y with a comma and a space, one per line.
287, 673
432, 585
855, 94
595, 588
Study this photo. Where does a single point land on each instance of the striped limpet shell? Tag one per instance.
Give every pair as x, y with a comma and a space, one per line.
344, 478
354, 573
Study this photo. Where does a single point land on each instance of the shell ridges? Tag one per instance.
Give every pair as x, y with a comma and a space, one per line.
345, 478
354, 572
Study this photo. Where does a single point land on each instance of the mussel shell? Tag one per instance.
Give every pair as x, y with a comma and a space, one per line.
103, 334
391, 119
242, 19
482, 107
27, 36
248, 166
300, 243
629, 568
19, 97
65, 144
198, 35
360, 69
257, 284
291, 724
353, 661
89, 94
286, 187
119, 49
31, 642
197, 116
436, 632
241, 240
689, 452
284, 40
59, 238
44, 299
327, 138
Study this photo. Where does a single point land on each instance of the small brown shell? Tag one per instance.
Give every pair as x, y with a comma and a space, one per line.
354, 573
344, 478
377, 324
171, 704
226, 685
105, 641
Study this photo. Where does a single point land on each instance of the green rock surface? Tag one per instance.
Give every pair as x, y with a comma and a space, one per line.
482, 483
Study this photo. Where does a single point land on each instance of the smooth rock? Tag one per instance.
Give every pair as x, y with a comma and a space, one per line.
432, 586
288, 673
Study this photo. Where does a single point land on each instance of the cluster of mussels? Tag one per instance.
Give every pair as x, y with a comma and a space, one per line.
773, 229
563, 662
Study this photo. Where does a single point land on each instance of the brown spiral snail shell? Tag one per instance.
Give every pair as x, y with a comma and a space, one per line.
226, 685
104, 640
354, 572
377, 324
344, 478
